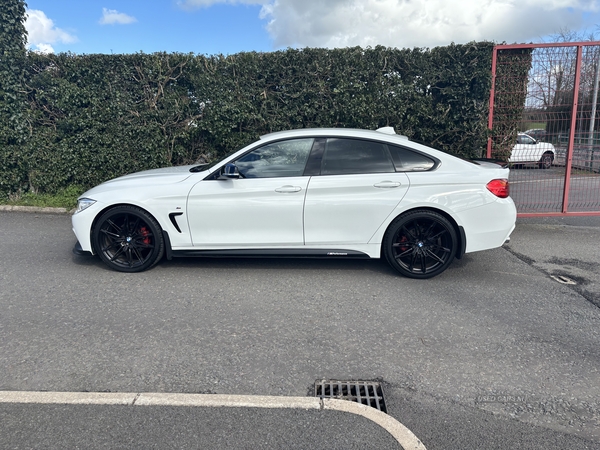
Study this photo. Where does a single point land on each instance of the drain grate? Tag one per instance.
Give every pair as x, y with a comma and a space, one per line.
367, 393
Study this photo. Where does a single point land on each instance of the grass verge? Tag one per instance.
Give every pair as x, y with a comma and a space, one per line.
65, 198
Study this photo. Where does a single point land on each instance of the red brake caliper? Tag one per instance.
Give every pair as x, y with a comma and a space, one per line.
403, 248
145, 234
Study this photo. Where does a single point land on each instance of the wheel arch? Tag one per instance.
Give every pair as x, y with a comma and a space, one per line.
116, 205
460, 231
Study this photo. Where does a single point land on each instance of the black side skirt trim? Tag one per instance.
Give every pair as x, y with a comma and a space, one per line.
273, 253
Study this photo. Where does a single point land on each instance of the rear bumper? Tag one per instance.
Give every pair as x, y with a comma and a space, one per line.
489, 226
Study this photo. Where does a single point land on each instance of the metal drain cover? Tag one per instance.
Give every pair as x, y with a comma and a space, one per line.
368, 393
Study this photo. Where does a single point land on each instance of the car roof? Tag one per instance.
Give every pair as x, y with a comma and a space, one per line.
384, 134
330, 132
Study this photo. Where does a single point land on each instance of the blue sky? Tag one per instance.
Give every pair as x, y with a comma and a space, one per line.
154, 26
231, 26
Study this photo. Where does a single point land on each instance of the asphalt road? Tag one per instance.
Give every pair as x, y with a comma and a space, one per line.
535, 191
494, 353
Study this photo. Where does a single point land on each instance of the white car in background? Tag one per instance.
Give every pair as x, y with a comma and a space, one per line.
322, 193
527, 150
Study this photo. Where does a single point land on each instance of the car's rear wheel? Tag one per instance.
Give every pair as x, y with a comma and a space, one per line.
546, 161
128, 239
420, 244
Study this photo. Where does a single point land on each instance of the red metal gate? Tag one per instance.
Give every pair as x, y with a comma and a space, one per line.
544, 116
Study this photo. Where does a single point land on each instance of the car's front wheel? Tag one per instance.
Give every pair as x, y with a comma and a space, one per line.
420, 244
128, 239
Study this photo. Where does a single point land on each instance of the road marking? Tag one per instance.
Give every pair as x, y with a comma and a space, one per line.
403, 435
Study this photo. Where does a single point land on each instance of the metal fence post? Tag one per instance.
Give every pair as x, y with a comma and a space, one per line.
492, 94
571, 144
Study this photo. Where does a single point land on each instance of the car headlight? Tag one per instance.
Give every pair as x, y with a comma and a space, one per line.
84, 203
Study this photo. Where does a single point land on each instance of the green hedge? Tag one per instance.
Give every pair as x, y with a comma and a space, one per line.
13, 133
93, 117
512, 71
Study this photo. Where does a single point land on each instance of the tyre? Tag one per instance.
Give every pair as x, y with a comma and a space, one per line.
546, 161
128, 239
420, 244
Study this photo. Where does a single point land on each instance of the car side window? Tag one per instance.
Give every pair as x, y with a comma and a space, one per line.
278, 159
408, 161
522, 139
355, 156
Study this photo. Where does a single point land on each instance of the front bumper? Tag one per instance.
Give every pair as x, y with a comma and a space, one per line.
77, 250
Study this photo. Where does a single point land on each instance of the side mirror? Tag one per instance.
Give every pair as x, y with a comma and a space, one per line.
230, 171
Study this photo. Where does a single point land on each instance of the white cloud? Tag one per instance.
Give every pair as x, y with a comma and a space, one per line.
417, 23
411, 23
43, 48
42, 33
112, 17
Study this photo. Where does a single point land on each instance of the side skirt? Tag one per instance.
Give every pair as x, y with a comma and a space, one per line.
273, 253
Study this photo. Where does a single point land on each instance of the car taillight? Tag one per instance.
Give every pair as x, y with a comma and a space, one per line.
498, 187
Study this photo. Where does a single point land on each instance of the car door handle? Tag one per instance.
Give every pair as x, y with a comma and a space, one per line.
288, 189
388, 184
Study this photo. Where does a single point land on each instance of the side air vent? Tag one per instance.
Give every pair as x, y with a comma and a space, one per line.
173, 221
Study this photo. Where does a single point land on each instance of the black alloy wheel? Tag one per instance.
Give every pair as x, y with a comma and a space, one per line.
128, 239
420, 244
546, 161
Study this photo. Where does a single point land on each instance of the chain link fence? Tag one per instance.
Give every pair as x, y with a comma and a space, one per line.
554, 150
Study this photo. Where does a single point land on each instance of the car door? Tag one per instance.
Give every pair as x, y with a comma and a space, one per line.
525, 150
262, 207
357, 189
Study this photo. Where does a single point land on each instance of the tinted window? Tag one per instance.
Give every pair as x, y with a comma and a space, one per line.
348, 156
279, 159
409, 161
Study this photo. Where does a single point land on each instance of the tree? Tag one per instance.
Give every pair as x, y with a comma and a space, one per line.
552, 79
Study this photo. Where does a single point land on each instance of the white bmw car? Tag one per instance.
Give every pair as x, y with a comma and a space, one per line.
330, 193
